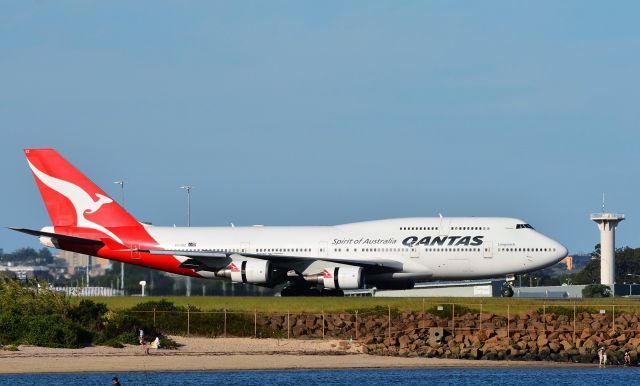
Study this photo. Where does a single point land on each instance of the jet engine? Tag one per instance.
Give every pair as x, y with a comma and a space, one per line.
47, 241
342, 278
253, 271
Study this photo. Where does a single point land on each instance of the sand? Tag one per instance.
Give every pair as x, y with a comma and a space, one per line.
223, 354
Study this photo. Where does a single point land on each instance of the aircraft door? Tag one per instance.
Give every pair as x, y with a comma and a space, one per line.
135, 252
323, 249
488, 249
414, 252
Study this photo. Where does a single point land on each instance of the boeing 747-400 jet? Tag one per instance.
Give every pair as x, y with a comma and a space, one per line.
393, 253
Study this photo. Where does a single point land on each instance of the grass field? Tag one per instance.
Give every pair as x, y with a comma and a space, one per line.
351, 304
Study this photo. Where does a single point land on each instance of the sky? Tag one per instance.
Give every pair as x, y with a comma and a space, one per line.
321, 113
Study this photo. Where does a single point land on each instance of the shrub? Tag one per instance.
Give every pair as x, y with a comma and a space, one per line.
158, 305
117, 341
11, 328
596, 291
34, 298
54, 331
119, 329
88, 314
168, 344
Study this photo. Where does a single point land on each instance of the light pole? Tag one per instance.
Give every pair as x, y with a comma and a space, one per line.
121, 183
188, 189
87, 270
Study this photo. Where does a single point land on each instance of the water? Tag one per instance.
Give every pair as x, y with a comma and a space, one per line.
438, 376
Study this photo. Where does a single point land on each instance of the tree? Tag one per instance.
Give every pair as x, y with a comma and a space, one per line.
45, 256
596, 252
590, 274
29, 256
627, 266
596, 291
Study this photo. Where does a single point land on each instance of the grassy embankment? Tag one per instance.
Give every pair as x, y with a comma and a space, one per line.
500, 306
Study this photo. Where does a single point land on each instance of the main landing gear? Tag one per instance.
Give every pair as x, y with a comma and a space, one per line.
507, 287
298, 290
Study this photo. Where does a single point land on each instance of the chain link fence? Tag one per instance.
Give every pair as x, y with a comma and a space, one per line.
450, 318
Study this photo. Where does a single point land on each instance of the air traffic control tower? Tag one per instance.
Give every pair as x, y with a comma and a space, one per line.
607, 223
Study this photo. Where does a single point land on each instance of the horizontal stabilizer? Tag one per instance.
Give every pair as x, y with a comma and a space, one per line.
71, 239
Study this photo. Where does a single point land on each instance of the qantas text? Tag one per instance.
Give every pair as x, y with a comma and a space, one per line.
412, 241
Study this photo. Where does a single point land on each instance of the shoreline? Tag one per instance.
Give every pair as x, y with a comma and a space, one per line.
232, 354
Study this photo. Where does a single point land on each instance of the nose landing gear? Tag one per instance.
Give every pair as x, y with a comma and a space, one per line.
507, 287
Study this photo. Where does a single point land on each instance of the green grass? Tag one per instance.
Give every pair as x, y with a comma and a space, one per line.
351, 304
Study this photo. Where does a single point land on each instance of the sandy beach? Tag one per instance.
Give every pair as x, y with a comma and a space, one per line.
224, 354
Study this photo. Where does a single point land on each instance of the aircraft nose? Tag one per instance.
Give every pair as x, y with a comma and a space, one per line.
561, 251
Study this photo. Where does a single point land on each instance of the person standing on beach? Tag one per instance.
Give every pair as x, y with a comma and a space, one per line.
600, 356
141, 337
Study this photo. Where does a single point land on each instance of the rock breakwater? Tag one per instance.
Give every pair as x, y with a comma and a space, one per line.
560, 336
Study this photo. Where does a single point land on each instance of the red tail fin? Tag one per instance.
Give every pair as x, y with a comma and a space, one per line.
72, 200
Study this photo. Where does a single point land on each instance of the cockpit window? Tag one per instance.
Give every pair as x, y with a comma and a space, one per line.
521, 226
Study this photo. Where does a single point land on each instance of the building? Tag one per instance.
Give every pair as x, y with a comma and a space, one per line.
78, 262
24, 272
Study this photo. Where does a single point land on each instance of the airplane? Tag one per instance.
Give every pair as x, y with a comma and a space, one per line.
308, 260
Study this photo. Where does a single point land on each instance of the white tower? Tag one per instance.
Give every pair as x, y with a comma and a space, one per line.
607, 223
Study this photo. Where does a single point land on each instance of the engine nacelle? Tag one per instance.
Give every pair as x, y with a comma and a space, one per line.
253, 271
343, 278
47, 241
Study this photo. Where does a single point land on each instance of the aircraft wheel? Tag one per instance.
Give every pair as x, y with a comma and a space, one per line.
507, 291
330, 292
299, 291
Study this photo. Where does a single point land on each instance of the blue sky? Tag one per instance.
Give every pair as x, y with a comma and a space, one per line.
307, 112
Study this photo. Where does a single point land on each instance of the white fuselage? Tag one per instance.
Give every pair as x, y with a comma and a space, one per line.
425, 248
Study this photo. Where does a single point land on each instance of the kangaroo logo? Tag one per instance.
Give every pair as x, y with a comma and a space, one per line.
81, 200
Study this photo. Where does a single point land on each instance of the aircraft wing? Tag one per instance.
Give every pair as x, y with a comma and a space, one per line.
213, 258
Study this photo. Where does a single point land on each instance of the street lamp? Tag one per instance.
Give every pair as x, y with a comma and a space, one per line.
121, 183
188, 189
